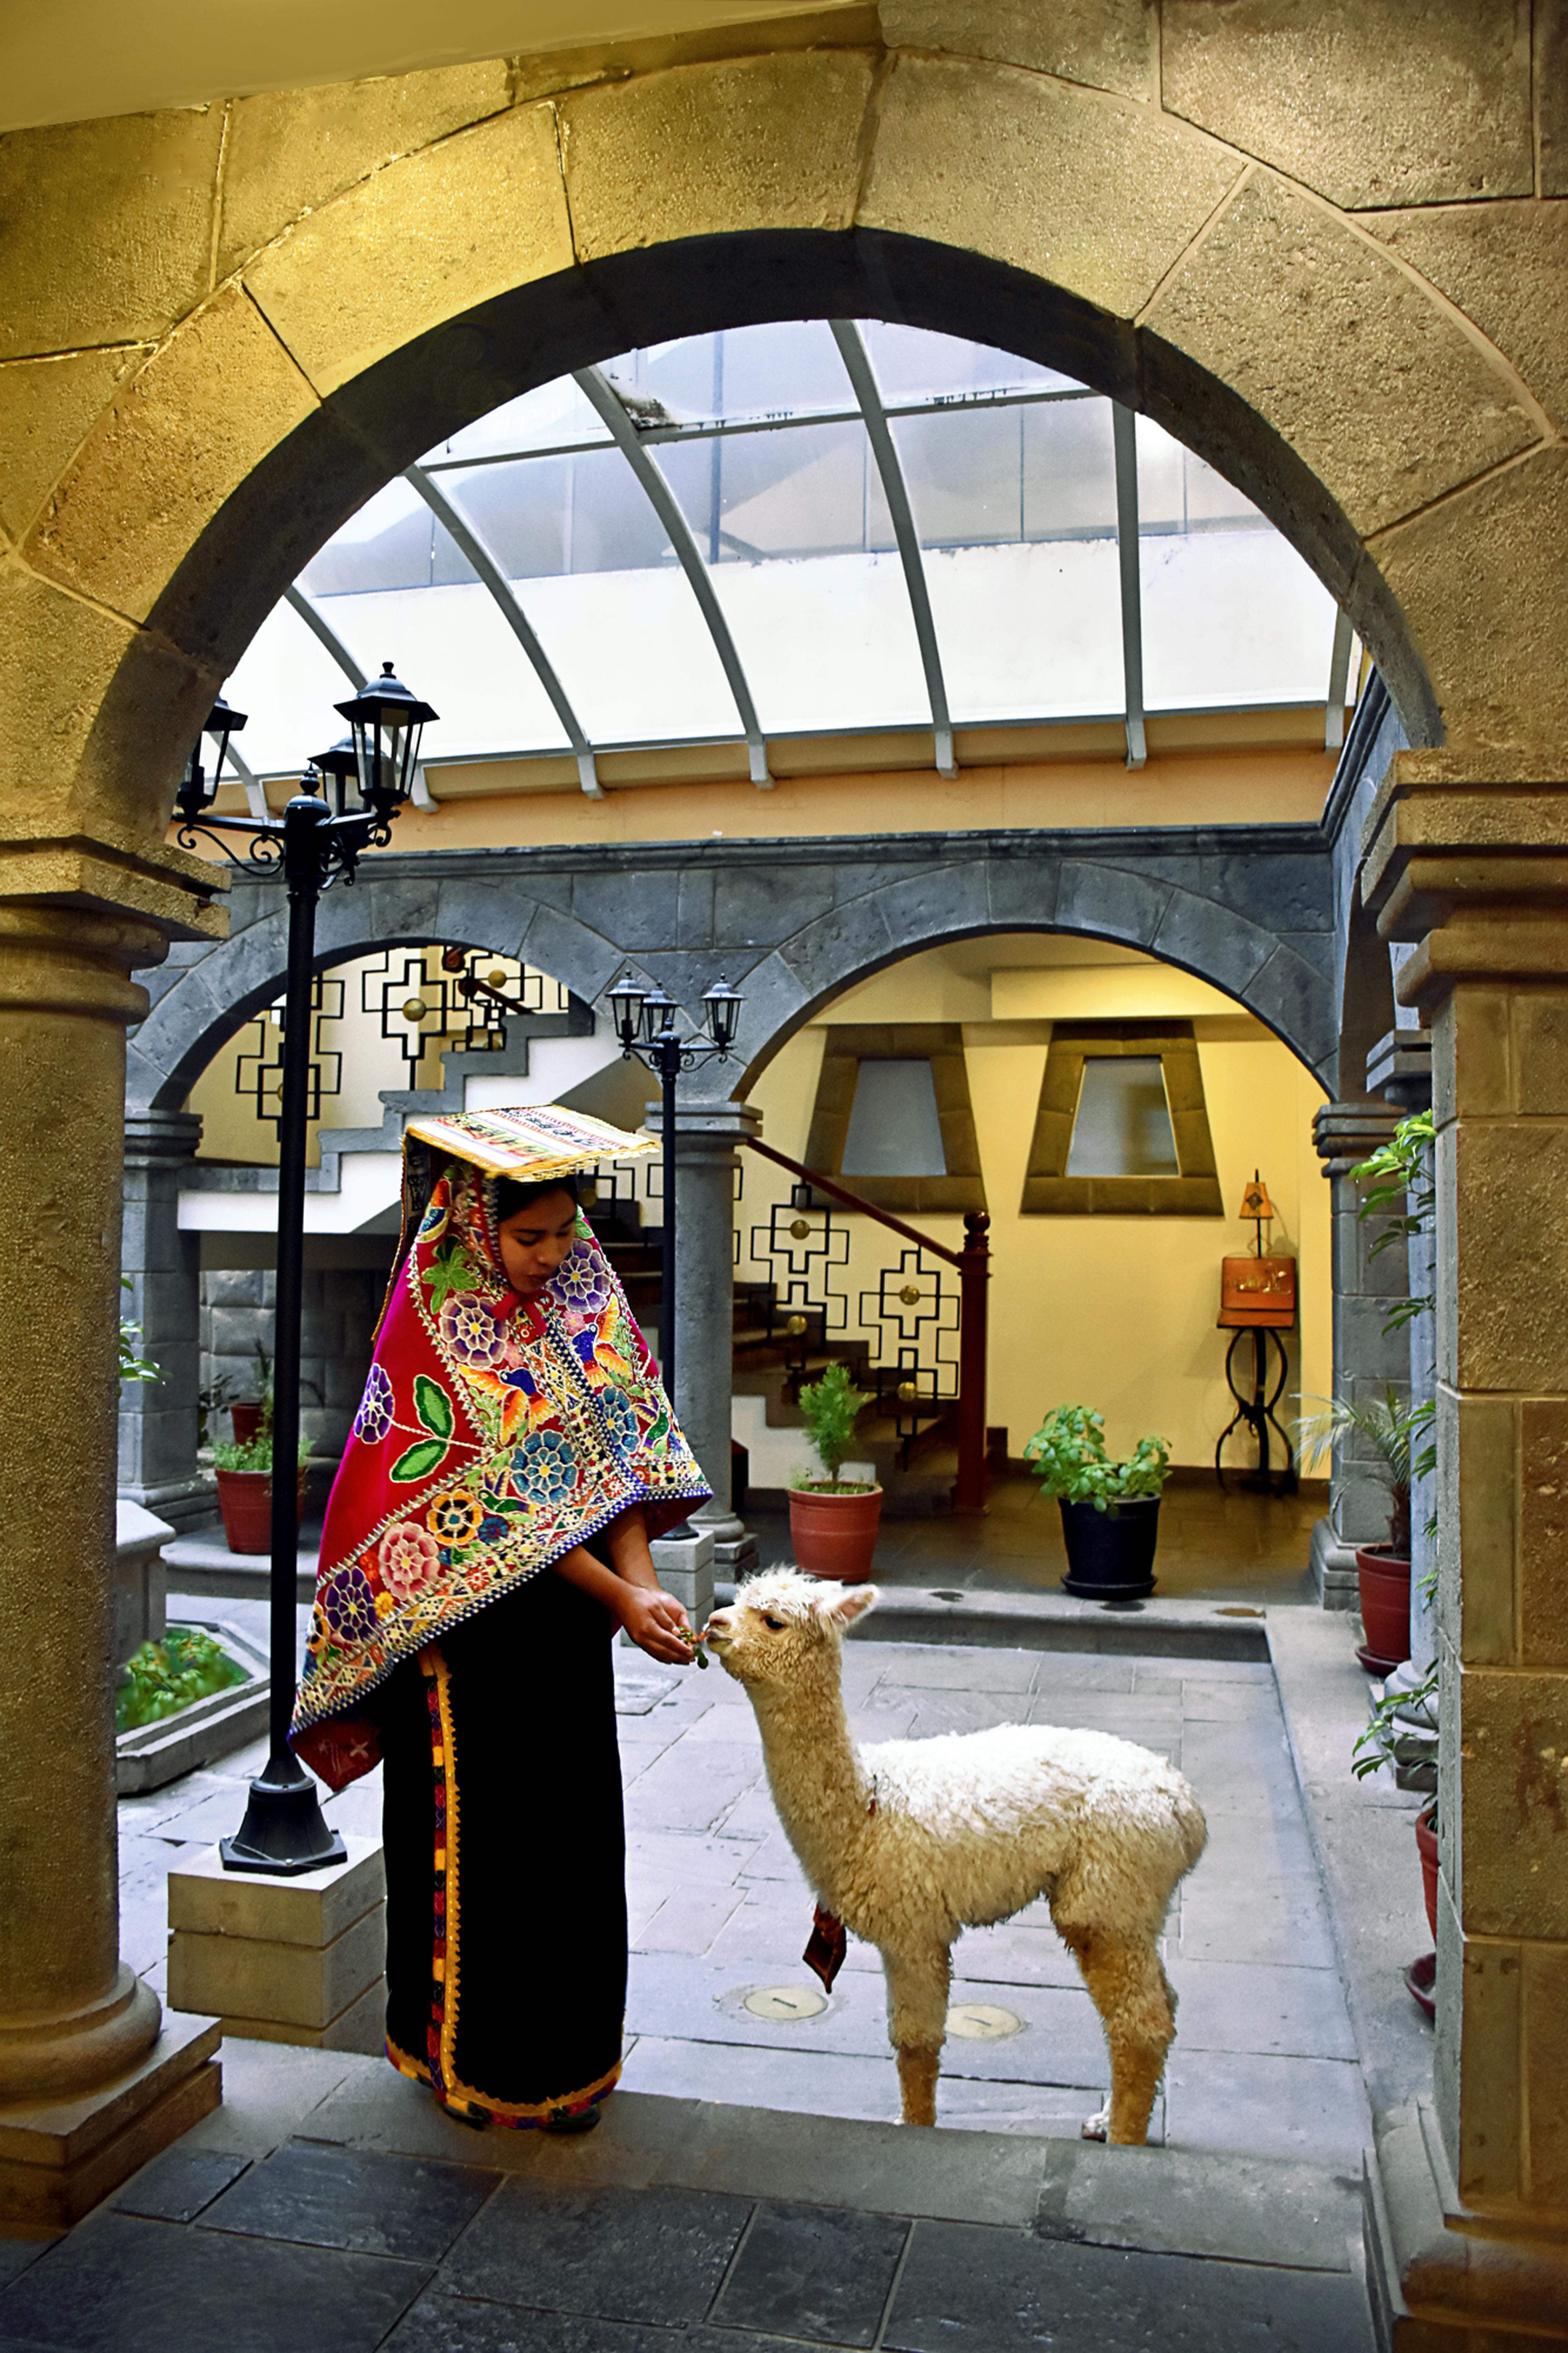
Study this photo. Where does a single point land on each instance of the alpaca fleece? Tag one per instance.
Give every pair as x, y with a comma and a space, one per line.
909, 1841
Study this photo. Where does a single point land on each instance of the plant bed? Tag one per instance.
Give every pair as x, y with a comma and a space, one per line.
148, 1756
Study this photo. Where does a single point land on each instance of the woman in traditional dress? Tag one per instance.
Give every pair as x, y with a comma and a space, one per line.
487, 1532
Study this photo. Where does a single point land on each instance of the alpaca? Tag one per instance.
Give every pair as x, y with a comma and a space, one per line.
908, 1841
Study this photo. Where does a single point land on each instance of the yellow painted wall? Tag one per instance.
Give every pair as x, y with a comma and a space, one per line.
1114, 1312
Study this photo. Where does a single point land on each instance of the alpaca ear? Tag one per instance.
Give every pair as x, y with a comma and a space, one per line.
842, 1608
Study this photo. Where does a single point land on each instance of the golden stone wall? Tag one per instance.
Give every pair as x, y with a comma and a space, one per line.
1323, 241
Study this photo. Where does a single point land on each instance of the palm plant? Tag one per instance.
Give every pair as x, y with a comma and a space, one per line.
1390, 1430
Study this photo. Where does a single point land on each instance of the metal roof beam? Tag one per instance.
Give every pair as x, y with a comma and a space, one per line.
856, 361
469, 543
1339, 680
596, 388
320, 626
1124, 439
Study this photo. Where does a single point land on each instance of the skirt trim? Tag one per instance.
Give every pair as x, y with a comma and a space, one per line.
519, 2115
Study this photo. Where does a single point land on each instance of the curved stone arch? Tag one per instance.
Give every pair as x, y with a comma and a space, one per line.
1395, 447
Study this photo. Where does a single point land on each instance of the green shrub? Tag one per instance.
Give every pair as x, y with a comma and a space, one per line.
831, 1406
1068, 1456
162, 1677
255, 1454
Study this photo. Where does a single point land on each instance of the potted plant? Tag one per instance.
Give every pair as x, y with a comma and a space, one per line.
1110, 1510
244, 1489
833, 1521
1379, 1745
251, 1416
1382, 1570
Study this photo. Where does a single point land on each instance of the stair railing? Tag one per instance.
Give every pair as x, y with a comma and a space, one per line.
973, 1263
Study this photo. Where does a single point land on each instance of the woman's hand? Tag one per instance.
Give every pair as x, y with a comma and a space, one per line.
656, 1624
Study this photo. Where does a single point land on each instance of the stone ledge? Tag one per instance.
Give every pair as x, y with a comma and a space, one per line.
1436, 2277
56, 2161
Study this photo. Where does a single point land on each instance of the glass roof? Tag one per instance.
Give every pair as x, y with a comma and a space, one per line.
801, 529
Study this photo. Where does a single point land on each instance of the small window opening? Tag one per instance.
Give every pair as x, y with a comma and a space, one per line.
1123, 1125
894, 1127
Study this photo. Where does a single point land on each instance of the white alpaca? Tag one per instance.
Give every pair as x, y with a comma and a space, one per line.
908, 1841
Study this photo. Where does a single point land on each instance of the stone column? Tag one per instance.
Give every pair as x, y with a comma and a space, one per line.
1472, 2216
158, 1419
73, 2017
708, 1136
1400, 1066
1367, 1358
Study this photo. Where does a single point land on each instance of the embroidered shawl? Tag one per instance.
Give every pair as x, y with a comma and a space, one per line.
495, 1433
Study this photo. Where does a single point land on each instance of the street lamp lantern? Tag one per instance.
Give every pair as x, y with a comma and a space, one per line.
345, 804
388, 723
645, 1023
197, 791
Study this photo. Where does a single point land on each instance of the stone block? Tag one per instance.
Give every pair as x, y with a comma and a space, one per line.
1504, 265
58, 2160
1294, 997
285, 1985
361, 2027
1208, 936
47, 408
1107, 44
1110, 901
1539, 1058
178, 438
1541, 1566
312, 1910
755, 905
123, 210
1282, 303
289, 151
1022, 890
1099, 196
769, 142
1507, 1319
141, 1578
852, 940
1543, 2053
429, 236
1333, 1569
1341, 98
1512, 1731
685, 1567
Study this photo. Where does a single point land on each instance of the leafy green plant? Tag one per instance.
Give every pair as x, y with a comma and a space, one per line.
1400, 1171
1385, 1731
1068, 1456
133, 1367
830, 1408
161, 1678
1392, 1431
254, 1454
217, 1395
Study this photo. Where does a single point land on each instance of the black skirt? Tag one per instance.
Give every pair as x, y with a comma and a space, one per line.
505, 1846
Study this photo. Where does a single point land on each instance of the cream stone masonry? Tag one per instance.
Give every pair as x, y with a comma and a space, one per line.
283, 1960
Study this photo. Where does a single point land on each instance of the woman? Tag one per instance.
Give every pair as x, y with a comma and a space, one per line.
487, 1532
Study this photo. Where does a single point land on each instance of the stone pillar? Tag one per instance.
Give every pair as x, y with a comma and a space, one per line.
73, 2018
1400, 1066
158, 1419
1367, 1358
1471, 2198
708, 1136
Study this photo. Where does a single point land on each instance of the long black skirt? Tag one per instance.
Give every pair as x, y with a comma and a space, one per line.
505, 1845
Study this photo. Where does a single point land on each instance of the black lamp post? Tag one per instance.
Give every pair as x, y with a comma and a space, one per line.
645, 1023
368, 777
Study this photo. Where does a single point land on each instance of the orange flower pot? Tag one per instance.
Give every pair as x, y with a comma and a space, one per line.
835, 1535
1384, 1582
244, 1499
1427, 1843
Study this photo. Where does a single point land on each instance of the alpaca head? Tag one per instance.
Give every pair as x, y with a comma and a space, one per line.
784, 1629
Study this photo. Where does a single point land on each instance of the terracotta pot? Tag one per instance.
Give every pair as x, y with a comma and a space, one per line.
246, 1420
1427, 1841
244, 1499
1111, 1554
1384, 1581
835, 1535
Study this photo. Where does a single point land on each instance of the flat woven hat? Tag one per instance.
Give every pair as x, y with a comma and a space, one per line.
533, 1141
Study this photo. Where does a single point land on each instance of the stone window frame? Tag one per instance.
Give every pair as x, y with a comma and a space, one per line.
1049, 1191
941, 1043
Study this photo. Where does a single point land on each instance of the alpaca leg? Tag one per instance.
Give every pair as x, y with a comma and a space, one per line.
916, 2025
1129, 1988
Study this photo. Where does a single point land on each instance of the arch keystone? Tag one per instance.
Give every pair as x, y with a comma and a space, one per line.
769, 141
1097, 194
431, 236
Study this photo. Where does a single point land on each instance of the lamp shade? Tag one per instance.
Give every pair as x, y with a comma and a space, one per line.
721, 1007
1255, 1200
387, 721
626, 1004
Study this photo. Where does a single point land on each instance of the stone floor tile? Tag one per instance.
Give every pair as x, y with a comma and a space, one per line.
273, 2089
1174, 1674
868, 2164
1242, 2209
177, 2185
1241, 2006
1016, 1953
620, 2254
322, 2195
774, 1861
16, 2254
356, 1810
812, 2271
118, 2285
962, 1667
1253, 1704
688, 1920
1034, 2112
1278, 1921
1241, 1849
964, 1711
767, 1933
1087, 1670
681, 1858
1315, 2109
970, 2289
688, 1790
444, 2323
823, 2084
753, 1814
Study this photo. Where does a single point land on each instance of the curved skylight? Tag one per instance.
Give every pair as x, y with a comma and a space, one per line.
807, 529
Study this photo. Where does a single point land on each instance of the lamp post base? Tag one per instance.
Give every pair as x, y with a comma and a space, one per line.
284, 1831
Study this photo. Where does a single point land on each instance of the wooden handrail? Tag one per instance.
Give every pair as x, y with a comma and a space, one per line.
851, 1200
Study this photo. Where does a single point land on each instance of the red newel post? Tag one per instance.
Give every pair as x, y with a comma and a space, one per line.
973, 1274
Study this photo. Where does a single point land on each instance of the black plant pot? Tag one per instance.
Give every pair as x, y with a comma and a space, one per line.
1111, 1554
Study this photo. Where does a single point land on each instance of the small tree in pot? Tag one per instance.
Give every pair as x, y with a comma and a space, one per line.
1393, 1433
833, 1521
1110, 1510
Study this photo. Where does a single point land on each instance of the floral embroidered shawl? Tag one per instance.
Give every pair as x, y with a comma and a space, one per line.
495, 1434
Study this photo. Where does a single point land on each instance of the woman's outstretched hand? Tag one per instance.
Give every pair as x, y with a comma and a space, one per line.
656, 1624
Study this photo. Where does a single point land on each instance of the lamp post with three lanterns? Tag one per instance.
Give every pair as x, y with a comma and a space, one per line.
348, 798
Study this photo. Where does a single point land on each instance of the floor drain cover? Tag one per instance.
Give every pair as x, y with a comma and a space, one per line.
782, 2005
938, 1594
982, 2021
